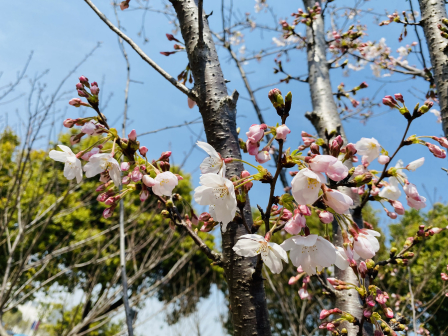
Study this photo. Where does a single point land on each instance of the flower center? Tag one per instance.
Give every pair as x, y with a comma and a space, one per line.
309, 249
220, 192
164, 181
263, 248
372, 145
312, 183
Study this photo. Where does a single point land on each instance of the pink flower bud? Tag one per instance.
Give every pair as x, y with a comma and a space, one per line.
143, 150
107, 213
383, 159
84, 80
305, 134
367, 313
110, 201
204, 217
282, 131
244, 174
171, 37
136, 175
79, 86
326, 217
82, 93
144, 195
287, 215
392, 215
363, 85
307, 141
132, 135
148, 181
304, 210
256, 132
252, 148
442, 141
436, 150
399, 97
76, 102
69, 123
388, 312
94, 90
398, 207
94, 84
324, 314
444, 276
362, 268
434, 231
126, 179
125, 166
165, 156
389, 101
263, 156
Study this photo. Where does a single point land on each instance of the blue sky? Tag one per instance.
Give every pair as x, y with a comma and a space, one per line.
61, 32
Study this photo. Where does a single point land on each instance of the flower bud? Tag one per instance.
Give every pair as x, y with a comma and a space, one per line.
126, 179
69, 123
132, 135
165, 156
144, 195
436, 150
84, 80
108, 212
389, 101
76, 102
124, 4
350, 151
362, 268
276, 98
125, 166
94, 90
442, 141
136, 175
399, 97
143, 150
383, 159
326, 217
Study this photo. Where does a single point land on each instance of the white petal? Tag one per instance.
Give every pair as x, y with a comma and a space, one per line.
341, 259
246, 247
204, 195
273, 262
280, 252
212, 180
288, 244
255, 237
67, 150
211, 165
58, 155
325, 253
208, 149
309, 240
115, 174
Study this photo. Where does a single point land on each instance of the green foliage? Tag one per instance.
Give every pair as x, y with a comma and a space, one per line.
79, 216
430, 260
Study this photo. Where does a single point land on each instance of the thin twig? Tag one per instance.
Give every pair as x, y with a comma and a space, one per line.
141, 53
414, 322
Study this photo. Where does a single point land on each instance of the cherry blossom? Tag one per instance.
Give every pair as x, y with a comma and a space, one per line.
256, 133
306, 186
163, 184
99, 163
213, 164
415, 164
311, 252
263, 156
368, 148
338, 201
365, 244
281, 132
296, 223
330, 165
218, 192
391, 190
413, 198
272, 254
72, 167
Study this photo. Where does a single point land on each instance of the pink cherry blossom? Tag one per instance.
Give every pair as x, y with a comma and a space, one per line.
303, 293
383, 159
252, 148
442, 141
282, 131
132, 135
304, 210
326, 217
444, 276
338, 201
263, 156
366, 245
307, 141
398, 207
296, 224
125, 166
256, 132
436, 150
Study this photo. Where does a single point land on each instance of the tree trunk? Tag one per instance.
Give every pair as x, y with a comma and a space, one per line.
432, 13
325, 116
246, 289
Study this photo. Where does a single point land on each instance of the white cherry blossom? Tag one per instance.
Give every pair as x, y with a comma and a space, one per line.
213, 164
391, 191
338, 201
163, 184
306, 186
366, 245
72, 168
368, 148
415, 164
250, 245
99, 163
311, 252
342, 260
217, 191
